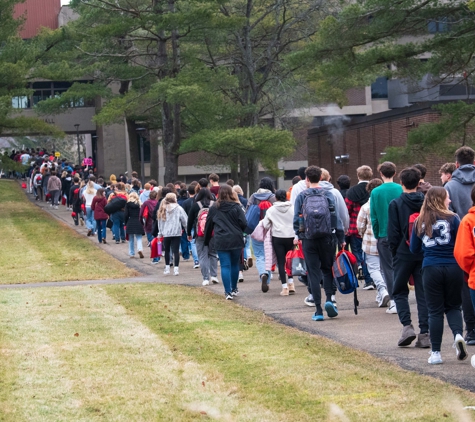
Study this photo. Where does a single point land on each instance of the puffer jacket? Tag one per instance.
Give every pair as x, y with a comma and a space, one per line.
131, 219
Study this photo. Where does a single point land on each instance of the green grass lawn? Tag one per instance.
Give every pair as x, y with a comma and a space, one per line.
172, 353
37, 248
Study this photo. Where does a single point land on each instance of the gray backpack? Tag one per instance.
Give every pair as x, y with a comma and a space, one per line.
316, 215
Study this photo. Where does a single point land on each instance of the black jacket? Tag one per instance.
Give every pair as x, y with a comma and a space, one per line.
187, 204
398, 224
131, 219
228, 222
358, 193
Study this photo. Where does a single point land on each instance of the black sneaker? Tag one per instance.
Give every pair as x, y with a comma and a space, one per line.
235, 292
229, 296
369, 286
264, 285
245, 266
470, 338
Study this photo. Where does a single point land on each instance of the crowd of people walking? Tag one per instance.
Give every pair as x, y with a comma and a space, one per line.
401, 234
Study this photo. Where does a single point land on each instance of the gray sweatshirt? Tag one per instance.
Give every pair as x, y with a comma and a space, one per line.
176, 220
460, 188
339, 204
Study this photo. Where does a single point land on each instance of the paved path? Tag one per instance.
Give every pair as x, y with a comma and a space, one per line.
372, 330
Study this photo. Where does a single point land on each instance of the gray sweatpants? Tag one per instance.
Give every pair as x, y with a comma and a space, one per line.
208, 258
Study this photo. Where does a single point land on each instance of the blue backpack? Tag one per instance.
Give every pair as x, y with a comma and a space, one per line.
345, 275
255, 213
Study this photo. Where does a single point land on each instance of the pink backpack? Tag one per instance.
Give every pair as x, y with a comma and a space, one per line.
201, 219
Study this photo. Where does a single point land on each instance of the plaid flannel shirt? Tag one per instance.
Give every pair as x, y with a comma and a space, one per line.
353, 211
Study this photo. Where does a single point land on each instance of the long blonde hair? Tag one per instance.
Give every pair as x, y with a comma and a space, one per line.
133, 197
162, 211
432, 210
90, 188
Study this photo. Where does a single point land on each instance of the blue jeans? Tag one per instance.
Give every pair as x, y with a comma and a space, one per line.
101, 229
229, 261
185, 246
194, 251
258, 248
90, 222
356, 249
118, 225
138, 238
247, 247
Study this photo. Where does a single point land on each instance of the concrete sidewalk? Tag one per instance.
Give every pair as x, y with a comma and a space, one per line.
372, 330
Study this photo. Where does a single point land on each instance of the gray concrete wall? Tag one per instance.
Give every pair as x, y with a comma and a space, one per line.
66, 121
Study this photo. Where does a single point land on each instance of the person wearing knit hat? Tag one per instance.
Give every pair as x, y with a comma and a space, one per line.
112, 178
171, 220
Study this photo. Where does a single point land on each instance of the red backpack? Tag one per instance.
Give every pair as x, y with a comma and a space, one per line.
264, 206
201, 219
412, 220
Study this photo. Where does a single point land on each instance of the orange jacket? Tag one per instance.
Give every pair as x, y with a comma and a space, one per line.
464, 251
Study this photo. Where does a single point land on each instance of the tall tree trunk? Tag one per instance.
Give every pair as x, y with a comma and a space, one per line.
244, 174
235, 169
134, 147
253, 175
154, 135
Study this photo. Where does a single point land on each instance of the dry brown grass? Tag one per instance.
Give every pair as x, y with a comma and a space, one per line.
170, 353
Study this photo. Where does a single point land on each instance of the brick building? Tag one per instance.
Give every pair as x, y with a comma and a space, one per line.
362, 141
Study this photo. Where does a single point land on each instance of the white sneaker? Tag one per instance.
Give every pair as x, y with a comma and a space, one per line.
383, 299
214, 280
472, 361
240, 277
392, 308
435, 358
461, 347
205, 283
175, 271
167, 270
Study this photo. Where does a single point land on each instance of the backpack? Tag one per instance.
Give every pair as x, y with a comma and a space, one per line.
345, 275
201, 219
316, 213
38, 178
410, 227
255, 213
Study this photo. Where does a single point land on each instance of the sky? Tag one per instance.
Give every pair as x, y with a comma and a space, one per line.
63, 2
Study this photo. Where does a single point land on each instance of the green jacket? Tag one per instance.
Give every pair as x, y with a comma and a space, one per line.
380, 199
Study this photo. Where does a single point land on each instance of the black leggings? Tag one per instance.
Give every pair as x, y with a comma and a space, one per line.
174, 244
281, 246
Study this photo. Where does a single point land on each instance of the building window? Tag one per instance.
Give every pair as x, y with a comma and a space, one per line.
438, 26
379, 89
44, 90
455, 90
21, 102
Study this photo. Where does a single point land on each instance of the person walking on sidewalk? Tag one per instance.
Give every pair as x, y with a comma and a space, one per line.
380, 199
146, 219
280, 218
207, 255
356, 197
171, 220
88, 197
370, 247
101, 217
402, 210
434, 234
225, 224
54, 189
133, 225
459, 188
317, 224
263, 198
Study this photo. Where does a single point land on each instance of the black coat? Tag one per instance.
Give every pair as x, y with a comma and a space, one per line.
398, 224
228, 222
131, 219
